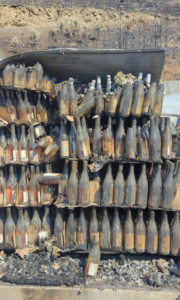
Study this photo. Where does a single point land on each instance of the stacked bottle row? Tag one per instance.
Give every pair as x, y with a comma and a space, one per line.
82, 228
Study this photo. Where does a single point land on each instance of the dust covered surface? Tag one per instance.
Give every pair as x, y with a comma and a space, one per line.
114, 271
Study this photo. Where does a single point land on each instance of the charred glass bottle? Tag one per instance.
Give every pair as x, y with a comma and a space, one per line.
34, 189
64, 140
73, 185
119, 143
21, 231
99, 100
159, 100
105, 231
22, 109
72, 97
156, 119
2, 188
86, 135
140, 233
41, 110
97, 139
118, 192
116, 231
11, 187
168, 188
166, 141
13, 156
3, 145
95, 192
107, 189
9, 228
130, 143
70, 229
155, 188
23, 190
46, 221
175, 235
72, 141
108, 139
176, 199
130, 187
84, 186
142, 188
151, 234
93, 261
164, 235
149, 101
47, 190
63, 101
11, 107
81, 229
138, 99
26, 218
28, 106
59, 227
93, 228
62, 187
34, 154
82, 150
128, 233
23, 147
154, 142
126, 100
36, 221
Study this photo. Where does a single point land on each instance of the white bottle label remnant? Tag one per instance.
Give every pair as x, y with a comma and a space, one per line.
93, 269
1, 237
26, 239
1, 198
39, 197
23, 155
15, 155
25, 196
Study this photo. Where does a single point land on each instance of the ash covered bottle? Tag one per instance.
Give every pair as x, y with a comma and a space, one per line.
116, 231
63, 101
36, 221
140, 233
118, 191
126, 100
128, 233
138, 98
151, 234
105, 231
164, 235
72, 141
99, 100
2, 188
95, 192
166, 141
41, 110
108, 139
34, 154
168, 189
82, 149
175, 235
154, 142
34, 189
13, 156
47, 190
97, 139
73, 185
142, 188
23, 190
86, 135
150, 99
63, 140
130, 187
155, 188
23, 147
81, 238
70, 229
120, 140
21, 231
9, 228
93, 228
84, 187
107, 189
72, 97
46, 221
11, 188
11, 108
22, 108
159, 100
29, 108
26, 218
130, 143
59, 227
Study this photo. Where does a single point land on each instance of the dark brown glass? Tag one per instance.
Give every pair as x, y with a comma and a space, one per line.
140, 233
23, 147
59, 227
164, 235
13, 156
126, 100
93, 228
81, 145
154, 142
86, 135
63, 101
70, 229
151, 234
34, 189
166, 141
107, 189
2, 98
120, 140
72, 141
97, 139
64, 140
41, 110
73, 185
118, 191
9, 228
128, 233
116, 231
81, 229
105, 231
108, 139
11, 188
23, 190
21, 231
142, 188
155, 188
130, 188
84, 187
2, 188
168, 189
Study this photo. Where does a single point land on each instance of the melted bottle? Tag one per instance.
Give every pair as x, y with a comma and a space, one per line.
11, 187
81, 229
107, 189
63, 101
3, 145
142, 188
130, 188
70, 229
9, 228
93, 261
73, 185
2, 188
93, 228
84, 187
34, 189
21, 231
140, 233
23, 147
175, 235
72, 97
118, 192
119, 144
97, 139
151, 234
126, 100
108, 139
59, 227
34, 155
41, 110
46, 221
128, 233
82, 150
99, 101
23, 190
166, 141
13, 156
168, 189
63, 140
164, 235
72, 141
105, 231
155, 189
86, 135
36, 221
116, 231
154, 142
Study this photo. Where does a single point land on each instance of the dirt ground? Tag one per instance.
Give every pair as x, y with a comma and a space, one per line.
127, 25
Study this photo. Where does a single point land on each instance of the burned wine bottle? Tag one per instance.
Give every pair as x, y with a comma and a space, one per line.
34, 189
138, 98
46, 221
95, 192
82, 150
34, 154
107, 189
116, 231
11, 108
159, 100
93, 261
81, 229
142, 188
13, 156
130, 143
140, 233
63, 101
89, 101
21, 231
59, 228
86, 135
97, 139
175, 235
2, 188
23, 147
99, 100
120, 139
118, 191
22, 108
126, 100
154, 142
128, 233
130, 188
63, 140
23, 190
26, 218
36, 221
151, 234
70, 229
3, 146
29, 108
72, 141
84, 187
168, 189
9, 228
166, 141
164, 235
108, 139
41, 110
105, 231
73, 185
150, 99
72, 97
1, 231
176, 198
93, 228
11, 188
155, 188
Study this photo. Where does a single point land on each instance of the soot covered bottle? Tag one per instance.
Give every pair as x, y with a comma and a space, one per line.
155, 188
151, 234
82, 149
142, 188
81, 238
21, 231
140, 233
164, 235
97, 139
130, 188
105, 231
108, 139
116, 231
128, 233
59, 227
175, 235
118, 191
23, 147
9, 228
64, 140
23, 190
84, 186
168, 189
34, 189
107, 189
70, 229
119, 142
13, 156
73, 185
11, 187
93, 228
